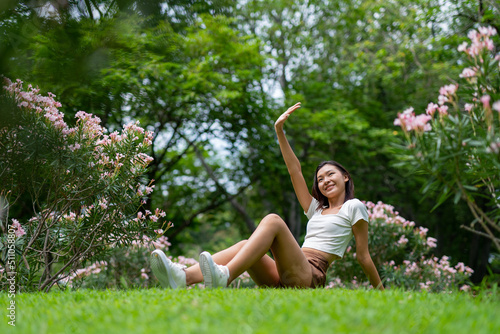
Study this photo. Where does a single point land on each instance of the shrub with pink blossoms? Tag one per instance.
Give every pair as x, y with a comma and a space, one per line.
400, 251
458, 147
84, 187
129, 267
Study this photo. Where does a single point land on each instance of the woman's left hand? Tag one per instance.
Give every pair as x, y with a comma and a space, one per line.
281, 120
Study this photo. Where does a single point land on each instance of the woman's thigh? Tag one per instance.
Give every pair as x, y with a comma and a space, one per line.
293, 268
264, 272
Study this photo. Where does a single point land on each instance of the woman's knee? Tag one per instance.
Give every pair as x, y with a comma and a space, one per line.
241, 243
272, 219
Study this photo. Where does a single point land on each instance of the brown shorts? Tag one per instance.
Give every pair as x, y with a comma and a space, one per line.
319, 266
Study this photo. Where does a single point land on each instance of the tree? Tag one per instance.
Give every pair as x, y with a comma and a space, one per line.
189, 86
350, 63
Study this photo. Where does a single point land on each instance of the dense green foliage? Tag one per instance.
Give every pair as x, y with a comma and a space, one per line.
208, 78
253, 311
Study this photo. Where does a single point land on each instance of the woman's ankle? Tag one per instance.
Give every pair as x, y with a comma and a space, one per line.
192, 276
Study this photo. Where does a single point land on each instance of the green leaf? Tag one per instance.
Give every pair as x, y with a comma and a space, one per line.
456, 199
471, 188
444, 196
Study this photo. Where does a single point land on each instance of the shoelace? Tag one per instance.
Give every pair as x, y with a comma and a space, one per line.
221, 271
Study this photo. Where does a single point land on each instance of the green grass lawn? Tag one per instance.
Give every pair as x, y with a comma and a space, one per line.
251, 311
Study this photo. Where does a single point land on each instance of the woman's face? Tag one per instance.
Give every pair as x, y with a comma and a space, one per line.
331, 181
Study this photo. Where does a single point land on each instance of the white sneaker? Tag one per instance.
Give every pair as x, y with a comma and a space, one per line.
214, 275
171, 275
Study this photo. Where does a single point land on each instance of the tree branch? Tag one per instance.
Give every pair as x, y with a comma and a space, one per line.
477, 232
484, 226
237, 206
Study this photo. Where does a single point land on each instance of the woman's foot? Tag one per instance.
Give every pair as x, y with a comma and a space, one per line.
171, 275
214, 275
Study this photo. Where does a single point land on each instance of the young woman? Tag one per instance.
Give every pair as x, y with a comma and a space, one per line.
334, 217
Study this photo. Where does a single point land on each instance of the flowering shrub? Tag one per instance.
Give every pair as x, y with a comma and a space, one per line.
399, 250
85, 187
129, 266
457, 141
125, 266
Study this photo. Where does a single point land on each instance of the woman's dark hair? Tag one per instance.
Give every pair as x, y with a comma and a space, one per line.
322, 199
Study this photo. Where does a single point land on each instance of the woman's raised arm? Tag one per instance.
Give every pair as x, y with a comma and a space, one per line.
291, 161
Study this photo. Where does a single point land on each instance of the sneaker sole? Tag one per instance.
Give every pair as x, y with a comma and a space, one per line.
207, 267
161, 269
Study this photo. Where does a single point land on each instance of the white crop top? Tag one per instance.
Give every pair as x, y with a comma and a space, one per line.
331, 233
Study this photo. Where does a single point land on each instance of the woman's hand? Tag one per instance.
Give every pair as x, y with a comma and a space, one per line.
281, 120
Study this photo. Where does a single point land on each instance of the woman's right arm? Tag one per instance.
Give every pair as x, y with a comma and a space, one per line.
291, 161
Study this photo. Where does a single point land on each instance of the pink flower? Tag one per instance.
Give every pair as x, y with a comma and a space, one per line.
485, 99
403, 240
462, 47
443, 110
468, 107
405, 119
74, 147
422, 231
465, 287
143, 158
18, 229
448, 90
496, 106
149, 190
115, 137
473, 35
442, 99
468, 73
103, 203
480, 41
493, 148
431, 109
489, 44
487, 31
420, 123
71, 216
143, 274
160, 213
431, 242
460, 267
133, 127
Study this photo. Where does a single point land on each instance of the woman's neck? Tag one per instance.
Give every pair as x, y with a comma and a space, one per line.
336, 201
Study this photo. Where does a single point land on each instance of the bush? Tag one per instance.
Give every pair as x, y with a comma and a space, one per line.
129, 267
399, 249
456, 143
84, 188
400, 252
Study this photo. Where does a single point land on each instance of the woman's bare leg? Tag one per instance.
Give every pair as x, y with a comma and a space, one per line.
263, 272
273, 233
